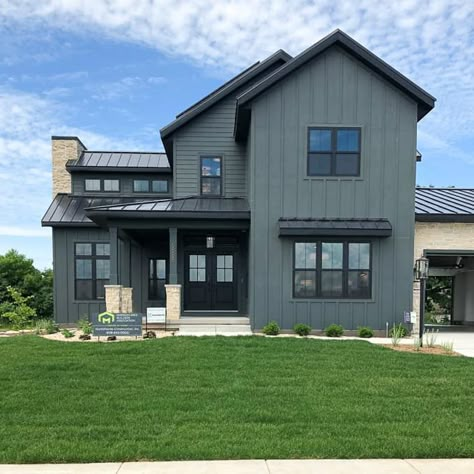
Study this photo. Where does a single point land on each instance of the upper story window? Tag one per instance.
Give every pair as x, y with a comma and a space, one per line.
332, 270
333, 151
92, 185
211, 175
111, 185
154, 186
92, 270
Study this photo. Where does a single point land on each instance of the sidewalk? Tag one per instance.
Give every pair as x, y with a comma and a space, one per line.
326, 466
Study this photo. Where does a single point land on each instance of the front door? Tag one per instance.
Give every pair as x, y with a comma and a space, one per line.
211, 280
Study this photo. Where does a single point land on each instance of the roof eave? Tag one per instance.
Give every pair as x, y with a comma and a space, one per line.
444, 218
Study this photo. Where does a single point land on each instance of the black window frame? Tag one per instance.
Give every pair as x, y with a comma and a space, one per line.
110, 179
345, 269
154, 277
162, 180
333, 152
150, 186
219, 178
93, 257
93, 190
145, 181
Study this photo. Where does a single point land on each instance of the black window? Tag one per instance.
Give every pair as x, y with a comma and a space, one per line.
332, 270
92, 270
211, 175
159, 185
92, 185
111, 185
141, 186
156, 279
333, 151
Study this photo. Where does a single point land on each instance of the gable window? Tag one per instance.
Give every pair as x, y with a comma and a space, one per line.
156, 279
92, 185
332, 270
141, 186
333, 151
92, 270
111, 185
211, 175
159, 186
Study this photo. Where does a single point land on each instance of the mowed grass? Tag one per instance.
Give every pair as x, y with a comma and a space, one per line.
229, 398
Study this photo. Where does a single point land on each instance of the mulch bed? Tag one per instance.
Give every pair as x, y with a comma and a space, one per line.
436, 350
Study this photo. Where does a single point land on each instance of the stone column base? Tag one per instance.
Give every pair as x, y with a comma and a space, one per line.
118, 299
173, 302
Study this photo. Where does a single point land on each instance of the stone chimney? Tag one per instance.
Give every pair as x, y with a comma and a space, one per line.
64, 149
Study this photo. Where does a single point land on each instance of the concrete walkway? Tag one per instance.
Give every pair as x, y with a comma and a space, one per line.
326, 466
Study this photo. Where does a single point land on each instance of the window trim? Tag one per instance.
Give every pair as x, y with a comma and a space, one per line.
160, 192
150, 186
345, 269
94, 257
93, 190
333, 152
203, 156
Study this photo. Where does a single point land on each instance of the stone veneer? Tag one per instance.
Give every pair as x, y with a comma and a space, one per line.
173, 302
64, 149
118, 299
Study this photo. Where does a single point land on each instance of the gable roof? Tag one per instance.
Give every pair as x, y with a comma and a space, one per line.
199, 107
444, 204
424, 100
120, 161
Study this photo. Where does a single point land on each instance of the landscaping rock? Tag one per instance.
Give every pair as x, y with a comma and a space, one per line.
85, 337
112, 338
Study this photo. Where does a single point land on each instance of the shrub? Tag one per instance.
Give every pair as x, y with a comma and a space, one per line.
85, 326
67, 334
45, 326
401, 330
430, 337
20, 313
302, 329
334, 330
365, 331
271, 329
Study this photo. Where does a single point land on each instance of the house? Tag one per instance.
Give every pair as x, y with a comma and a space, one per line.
287, 194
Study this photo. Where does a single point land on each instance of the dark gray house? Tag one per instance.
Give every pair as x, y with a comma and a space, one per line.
287, 194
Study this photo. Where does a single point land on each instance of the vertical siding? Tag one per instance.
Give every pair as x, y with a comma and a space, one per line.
334, 90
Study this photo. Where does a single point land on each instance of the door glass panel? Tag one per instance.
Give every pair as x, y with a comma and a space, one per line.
225, 266
197, 268
161, 269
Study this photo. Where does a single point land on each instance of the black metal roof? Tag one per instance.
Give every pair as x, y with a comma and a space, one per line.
444, 204
424, 100
335, 227
120, 161
67, 210
237, 81
191, 208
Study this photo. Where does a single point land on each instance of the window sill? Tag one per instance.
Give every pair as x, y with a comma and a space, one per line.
332, 300
333, 178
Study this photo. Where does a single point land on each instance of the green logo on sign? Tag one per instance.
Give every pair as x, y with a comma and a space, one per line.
106, 318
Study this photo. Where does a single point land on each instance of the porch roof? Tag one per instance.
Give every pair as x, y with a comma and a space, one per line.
335, 227
181, 208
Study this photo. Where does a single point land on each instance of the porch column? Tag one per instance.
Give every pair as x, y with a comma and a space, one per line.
173, 244
114, 276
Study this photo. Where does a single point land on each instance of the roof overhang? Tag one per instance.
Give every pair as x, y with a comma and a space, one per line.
334, 227
444, 218
116, 169
424, 100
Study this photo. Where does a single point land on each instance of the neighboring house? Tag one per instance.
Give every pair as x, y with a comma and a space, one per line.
444, 233
288, 194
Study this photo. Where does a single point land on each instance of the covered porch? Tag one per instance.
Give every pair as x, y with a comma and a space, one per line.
189, 256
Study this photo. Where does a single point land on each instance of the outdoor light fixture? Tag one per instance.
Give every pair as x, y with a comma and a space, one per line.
421, 273
210, 242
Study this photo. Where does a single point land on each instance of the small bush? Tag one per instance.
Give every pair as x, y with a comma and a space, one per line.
20, 313
334, 330
45, 326
302, 329
67, 334
271, 329
365, 331
400, 329
85, 326
430, 337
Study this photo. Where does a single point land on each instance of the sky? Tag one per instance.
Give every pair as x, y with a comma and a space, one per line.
115, 72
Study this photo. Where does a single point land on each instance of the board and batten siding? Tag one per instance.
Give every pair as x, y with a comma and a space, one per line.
331, 90
210, 134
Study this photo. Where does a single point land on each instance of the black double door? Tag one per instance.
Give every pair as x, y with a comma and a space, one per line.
211, 279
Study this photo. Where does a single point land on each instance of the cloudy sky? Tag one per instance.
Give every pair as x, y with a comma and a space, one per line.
115, 72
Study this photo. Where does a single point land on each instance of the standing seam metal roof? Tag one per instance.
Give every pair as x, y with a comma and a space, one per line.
444, 202
120, 159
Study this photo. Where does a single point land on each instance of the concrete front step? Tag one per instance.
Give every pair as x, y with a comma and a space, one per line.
215, 330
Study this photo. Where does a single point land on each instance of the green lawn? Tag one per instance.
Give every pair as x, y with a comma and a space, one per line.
221, 398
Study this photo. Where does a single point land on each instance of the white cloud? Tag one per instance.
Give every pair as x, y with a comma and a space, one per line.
15, 231
124, 88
